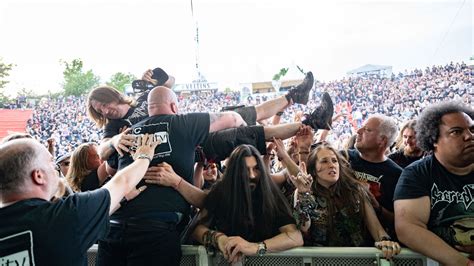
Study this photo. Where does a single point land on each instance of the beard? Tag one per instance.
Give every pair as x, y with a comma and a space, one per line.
412, 151
253, 186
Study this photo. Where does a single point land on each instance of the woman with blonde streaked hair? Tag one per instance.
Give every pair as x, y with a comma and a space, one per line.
86, 171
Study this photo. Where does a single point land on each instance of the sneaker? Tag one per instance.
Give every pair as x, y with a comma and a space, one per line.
300, 93
141, 85
321, 117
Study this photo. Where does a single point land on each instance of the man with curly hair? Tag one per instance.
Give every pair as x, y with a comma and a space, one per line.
434, 198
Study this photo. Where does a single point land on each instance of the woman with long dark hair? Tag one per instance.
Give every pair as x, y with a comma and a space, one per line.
335, 209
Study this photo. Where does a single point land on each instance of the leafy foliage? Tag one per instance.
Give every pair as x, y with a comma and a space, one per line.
4, 73
280, 74
120, 80
76, 81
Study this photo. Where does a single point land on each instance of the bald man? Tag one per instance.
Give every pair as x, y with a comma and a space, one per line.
111, 110
33, 230
143, 232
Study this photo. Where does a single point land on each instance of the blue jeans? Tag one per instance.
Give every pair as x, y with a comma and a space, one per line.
144, 242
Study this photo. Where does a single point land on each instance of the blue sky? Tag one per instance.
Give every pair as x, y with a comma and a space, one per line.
240, 41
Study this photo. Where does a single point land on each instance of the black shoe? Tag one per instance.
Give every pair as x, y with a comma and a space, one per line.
141, 85
321, 117
300, 93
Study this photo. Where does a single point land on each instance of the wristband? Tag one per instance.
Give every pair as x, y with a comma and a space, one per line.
111, 145
143, 156
385, 238
279, 114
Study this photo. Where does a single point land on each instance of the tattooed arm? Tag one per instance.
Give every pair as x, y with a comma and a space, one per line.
225, 120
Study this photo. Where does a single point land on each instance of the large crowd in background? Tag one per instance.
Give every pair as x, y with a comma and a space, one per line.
313, 191
402, 97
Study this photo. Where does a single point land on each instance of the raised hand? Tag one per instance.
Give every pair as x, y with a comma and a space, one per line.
267, 158
304, 138
147, 76
146, 145
302, 180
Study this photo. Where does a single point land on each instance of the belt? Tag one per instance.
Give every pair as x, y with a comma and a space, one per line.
144, 223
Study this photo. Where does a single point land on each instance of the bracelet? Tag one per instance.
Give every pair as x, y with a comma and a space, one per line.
303, 152
305, 208
143, 156
279, 114
179, 183
111, 145
385, 238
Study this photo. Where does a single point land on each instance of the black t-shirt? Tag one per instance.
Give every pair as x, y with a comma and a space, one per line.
381, 177
40, 232
402, 160
180, 134
90, 182
451, 196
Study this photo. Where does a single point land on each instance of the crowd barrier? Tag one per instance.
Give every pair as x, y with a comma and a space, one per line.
305, 256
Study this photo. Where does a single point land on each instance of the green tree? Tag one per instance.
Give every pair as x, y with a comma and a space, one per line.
27, 93
76, 80
120, 80
280, 74
4, 73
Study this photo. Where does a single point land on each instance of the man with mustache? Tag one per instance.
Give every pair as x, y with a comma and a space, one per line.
410, 151
434, 198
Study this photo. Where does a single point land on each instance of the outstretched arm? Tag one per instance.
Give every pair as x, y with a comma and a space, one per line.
126, 179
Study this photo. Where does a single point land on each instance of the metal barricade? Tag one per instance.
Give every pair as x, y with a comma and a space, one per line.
304, 256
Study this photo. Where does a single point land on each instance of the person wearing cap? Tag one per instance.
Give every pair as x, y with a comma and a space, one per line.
63, 162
